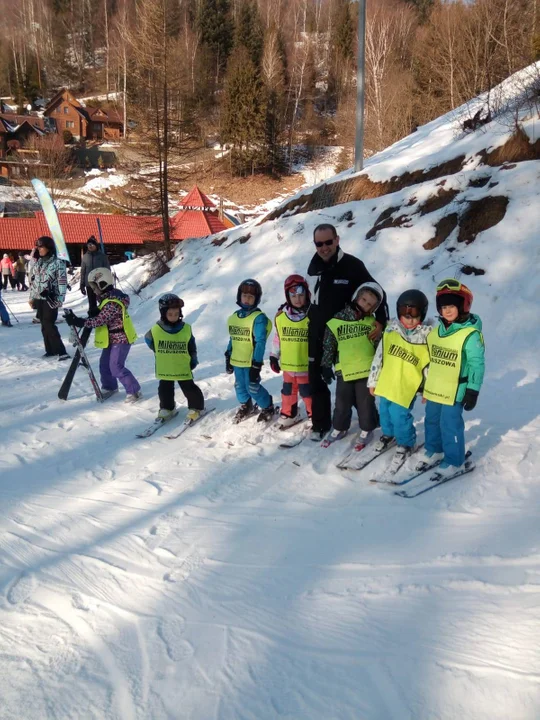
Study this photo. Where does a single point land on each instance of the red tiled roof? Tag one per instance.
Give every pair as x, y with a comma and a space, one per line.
22, 233
196, 199
195, 223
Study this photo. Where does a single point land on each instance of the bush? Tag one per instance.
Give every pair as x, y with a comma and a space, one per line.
68, 137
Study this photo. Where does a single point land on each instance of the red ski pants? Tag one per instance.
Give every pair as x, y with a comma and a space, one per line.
295, 384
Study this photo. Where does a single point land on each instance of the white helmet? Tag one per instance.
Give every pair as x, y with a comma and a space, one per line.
100, 279
374, 288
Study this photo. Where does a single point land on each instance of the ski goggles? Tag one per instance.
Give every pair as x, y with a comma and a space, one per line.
248, 289
449, 284
409, 311
298, 290
321, 243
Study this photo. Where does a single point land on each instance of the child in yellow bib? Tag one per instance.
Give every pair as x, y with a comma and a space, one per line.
290, 349
455, 376
347, 345
175, 349
248, 330
397, 374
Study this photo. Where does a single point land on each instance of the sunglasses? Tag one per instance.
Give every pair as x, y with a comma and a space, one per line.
409, 311
449, 284
324, 242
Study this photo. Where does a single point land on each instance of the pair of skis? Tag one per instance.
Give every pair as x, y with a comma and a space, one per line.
160, 422
79, 342
356, 460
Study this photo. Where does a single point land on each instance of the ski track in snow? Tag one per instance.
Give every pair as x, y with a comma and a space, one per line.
218, 577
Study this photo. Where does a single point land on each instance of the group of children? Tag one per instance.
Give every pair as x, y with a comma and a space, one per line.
444, 362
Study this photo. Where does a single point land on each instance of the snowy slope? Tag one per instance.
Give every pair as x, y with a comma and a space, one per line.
217, 577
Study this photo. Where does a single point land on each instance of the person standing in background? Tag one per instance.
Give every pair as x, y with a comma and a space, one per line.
92, 259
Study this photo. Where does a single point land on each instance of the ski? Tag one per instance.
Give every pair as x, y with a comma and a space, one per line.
154, 427
189, 423
389, 475
359, 460
297, 438
435, 480
68, 380
76, 341
421, 471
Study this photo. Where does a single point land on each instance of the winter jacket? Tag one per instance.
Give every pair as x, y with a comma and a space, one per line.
259, 334
91, 261
7, 267
293, 314
473, 354
48, 274
20, 265
416, 336
335, 284
173, 329
111, 315
330, 344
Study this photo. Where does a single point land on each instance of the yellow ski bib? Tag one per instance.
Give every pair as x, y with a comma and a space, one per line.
101, 338
172, 356
355, 350
402, 369
241, 332
445, 355
293, 341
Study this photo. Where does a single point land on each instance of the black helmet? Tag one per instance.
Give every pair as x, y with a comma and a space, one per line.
47, 242
413, 299
168, 301
249, 286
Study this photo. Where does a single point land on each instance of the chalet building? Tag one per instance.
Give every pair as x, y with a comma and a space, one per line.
198, 218
83, 121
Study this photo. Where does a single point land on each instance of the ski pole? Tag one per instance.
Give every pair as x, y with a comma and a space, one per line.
10, 310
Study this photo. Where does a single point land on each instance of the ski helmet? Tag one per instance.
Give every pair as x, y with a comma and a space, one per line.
374, 288
46, 242
249, 286
412, 299
454, 292
100, 279
168, 301
295, 281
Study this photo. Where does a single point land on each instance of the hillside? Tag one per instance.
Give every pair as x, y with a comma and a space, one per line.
218, 577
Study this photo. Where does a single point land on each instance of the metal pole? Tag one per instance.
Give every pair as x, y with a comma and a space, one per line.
10, 310
360, 87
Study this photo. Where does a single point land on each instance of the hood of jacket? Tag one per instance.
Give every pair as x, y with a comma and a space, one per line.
416, 336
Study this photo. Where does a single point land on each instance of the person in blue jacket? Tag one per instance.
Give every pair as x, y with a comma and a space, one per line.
4, 317
455, 376
249, 328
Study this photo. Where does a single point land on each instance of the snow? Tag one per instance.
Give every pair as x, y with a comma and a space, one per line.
209, 578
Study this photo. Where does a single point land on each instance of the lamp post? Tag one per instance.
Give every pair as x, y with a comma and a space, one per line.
360, 87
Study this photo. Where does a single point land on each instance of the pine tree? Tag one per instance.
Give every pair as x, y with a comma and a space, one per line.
243, 116
249, 32
216, 28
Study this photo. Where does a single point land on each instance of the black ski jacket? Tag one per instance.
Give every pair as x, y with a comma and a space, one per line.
334, 286
90, 261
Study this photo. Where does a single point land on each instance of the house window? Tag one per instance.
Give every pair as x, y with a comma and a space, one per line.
66, 109
96, 126
70, 124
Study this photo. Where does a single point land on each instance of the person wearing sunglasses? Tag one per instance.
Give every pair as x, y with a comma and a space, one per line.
455, 376
397, 375
337, 275
48, 286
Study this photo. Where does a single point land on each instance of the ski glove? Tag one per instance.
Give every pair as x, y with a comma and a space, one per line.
327, 375
274, 364
74, 321
83, 290
470, 398
228, 367
193, 362
255, 373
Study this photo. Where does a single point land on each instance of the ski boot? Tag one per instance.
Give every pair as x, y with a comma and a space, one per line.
362, 439
428, 460
383, 443
286, 422
400, 456
245, 410
133, 397
164, 414
193, 415
333, 436
267, 414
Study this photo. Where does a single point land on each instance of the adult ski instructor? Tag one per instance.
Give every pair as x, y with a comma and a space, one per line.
337, 277
92, 259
